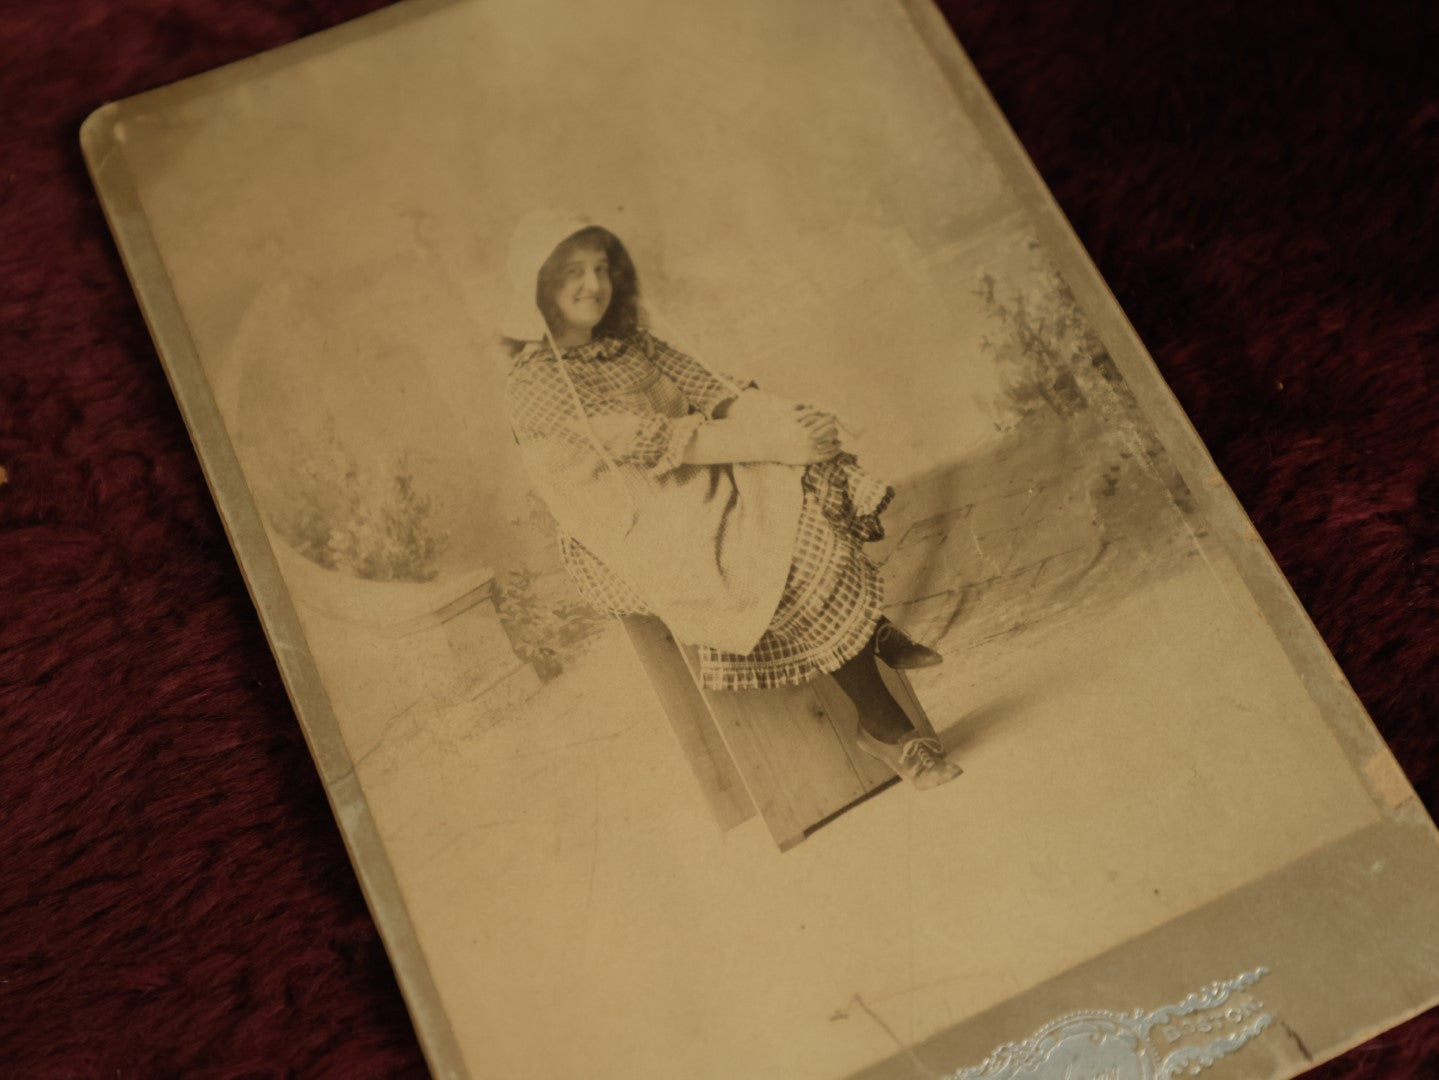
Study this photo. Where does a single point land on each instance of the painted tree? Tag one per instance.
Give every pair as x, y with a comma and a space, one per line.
1042, 342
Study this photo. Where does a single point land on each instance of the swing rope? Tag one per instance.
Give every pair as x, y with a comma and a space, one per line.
603, 451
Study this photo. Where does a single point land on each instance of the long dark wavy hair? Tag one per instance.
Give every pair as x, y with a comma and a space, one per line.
622, 318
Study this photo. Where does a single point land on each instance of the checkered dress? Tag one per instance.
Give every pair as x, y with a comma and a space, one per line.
643, 401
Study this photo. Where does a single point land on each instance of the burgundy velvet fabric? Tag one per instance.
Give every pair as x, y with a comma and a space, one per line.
1256, 181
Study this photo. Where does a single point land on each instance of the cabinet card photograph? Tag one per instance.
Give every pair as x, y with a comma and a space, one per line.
755, 607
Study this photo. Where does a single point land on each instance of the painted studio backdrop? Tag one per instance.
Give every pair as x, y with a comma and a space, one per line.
825, 220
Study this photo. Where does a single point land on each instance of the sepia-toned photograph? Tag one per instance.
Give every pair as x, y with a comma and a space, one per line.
770, 610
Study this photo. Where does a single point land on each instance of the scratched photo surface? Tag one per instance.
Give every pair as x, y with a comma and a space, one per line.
595, 886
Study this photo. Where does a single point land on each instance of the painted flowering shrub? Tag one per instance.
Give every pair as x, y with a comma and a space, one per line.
369, 519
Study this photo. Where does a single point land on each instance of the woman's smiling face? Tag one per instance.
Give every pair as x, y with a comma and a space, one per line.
585, 289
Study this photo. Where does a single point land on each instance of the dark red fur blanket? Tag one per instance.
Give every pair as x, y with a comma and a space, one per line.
1259, 183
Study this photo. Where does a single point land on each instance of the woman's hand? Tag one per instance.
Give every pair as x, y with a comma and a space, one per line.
761, 427
803, 438
757, 406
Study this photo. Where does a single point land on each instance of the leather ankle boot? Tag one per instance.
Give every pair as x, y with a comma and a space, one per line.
917, 759
899, 650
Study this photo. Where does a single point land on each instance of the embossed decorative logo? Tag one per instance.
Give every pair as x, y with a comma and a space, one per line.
1160, 1044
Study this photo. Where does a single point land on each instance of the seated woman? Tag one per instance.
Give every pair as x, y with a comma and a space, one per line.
735, 517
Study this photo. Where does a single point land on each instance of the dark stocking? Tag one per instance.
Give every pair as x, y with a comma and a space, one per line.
879, 714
